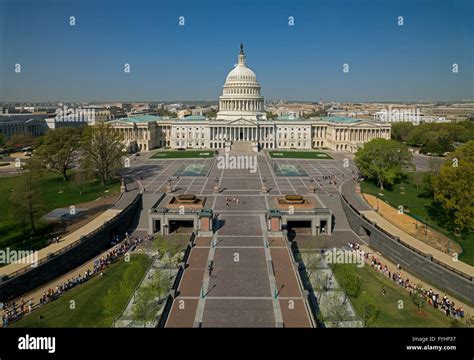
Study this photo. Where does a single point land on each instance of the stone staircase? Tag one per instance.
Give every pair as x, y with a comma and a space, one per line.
242, 148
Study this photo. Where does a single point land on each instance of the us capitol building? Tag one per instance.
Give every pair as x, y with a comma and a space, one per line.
241, 121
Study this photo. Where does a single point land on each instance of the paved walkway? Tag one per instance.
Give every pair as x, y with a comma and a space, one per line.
63, 243
448, 260
240, 277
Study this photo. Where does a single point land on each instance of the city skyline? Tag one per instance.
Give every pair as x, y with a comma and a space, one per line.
387, 62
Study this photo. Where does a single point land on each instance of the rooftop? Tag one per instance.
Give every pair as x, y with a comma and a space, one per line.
195, 117
340, 119
142, 118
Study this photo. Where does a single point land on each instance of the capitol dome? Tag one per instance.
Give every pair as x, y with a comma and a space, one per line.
241, 93
241, 73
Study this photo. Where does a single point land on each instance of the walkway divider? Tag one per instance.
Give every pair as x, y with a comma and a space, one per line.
177, 280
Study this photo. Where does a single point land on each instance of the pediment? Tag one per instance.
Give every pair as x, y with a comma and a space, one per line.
121, 123
242, 121
364, 124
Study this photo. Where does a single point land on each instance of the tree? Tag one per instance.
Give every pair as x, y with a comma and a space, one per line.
434, 165
454, 187
370, 313
147, 297
419, 299
211, 114
427, 185
401, 131
110, 303
383, 160
312, 263
145, 306
437, 143
21, 140
337, 311
57, 148
161, 245
81, 178
271, 116
103, 150
428, 179
161, 284
349, 281
26, 200
2, 140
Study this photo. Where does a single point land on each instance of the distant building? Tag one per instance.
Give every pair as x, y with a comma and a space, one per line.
22, 123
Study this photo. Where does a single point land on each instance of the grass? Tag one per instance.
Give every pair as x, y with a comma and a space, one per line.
299, 155
390, 315
421, 208
90, 309
183, 154
11, 229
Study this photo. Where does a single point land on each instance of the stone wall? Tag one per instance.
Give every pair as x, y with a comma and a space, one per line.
410, 260
84, 250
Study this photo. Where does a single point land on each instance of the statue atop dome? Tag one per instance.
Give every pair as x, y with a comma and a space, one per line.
241, 48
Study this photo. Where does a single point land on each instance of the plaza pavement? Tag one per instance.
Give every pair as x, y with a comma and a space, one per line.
240, 277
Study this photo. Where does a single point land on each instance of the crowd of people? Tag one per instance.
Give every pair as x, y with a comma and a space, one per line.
432, 298
15, 311
331, 179
233, 200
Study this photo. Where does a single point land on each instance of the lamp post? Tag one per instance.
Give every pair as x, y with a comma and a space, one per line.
216, 185
264, 185
168, 187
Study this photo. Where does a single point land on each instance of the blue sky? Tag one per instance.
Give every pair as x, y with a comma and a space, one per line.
387, 62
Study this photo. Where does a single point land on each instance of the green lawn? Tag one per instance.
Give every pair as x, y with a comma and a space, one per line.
421, 208
390, 315
183, 154
11, 229
299, 155
90, 309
